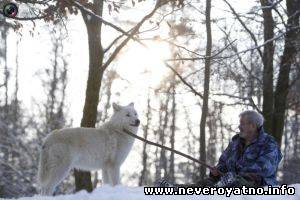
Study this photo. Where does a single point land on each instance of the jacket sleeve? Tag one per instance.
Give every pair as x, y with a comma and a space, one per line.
268, 160
222, 160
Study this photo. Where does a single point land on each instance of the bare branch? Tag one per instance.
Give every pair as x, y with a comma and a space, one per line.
160, 21
87, 11
241, 98
114, 41
202, 57
240, 52
184, 81
131, 34
239, 58
182, 47
245, 27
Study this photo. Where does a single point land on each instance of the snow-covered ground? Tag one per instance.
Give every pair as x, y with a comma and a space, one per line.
137, 193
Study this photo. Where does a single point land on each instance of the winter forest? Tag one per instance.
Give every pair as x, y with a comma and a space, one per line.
190, 67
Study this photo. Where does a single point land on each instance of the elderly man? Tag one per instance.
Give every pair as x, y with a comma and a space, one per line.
251, 158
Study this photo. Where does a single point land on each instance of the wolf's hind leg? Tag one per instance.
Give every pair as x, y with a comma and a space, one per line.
47, 189
59, 165
58, 173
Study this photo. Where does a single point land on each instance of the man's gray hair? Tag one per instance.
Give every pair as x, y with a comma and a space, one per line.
253, 117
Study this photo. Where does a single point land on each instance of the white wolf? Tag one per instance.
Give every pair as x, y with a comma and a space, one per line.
88, 149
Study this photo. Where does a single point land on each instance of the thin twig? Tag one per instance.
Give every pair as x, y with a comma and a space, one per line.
201, 57
184, 81
240, 52
241, 98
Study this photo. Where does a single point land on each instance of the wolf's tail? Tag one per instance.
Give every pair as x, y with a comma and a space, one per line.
43, 163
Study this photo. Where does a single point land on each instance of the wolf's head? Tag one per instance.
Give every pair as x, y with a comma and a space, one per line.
125, 117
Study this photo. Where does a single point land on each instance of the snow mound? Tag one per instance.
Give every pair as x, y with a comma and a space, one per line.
137, 193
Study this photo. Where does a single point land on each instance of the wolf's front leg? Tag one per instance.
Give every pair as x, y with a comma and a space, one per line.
105, 176
114, 174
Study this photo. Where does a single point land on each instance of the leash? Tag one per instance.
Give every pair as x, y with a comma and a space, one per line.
168, 148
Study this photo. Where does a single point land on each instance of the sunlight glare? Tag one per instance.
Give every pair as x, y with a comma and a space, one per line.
145, 64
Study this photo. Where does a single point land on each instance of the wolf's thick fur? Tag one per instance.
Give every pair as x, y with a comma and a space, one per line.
88, 149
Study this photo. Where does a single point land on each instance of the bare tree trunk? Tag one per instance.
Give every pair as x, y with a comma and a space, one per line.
16, 100
95, 181
163, 157
161, 166
4, 171
221, 126
287, 59
112, 74
286, 158
158, 133
295, 132
6, 75
50, 118
191, 167
93, 25
144, 174
15, 117
61, 106
172, 136
212, 127
206, 89
268, 55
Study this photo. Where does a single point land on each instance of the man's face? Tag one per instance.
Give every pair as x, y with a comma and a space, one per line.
247, 129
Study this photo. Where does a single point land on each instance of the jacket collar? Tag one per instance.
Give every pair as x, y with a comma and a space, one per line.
260, 137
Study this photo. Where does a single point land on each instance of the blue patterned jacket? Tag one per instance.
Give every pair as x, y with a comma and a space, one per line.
261, 158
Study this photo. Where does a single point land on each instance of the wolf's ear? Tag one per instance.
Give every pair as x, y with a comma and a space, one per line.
131, 104
116, 107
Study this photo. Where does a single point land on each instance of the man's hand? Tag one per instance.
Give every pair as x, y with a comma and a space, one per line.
214, 171
229, 179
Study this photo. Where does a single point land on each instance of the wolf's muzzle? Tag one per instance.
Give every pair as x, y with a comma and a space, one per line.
137, 123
